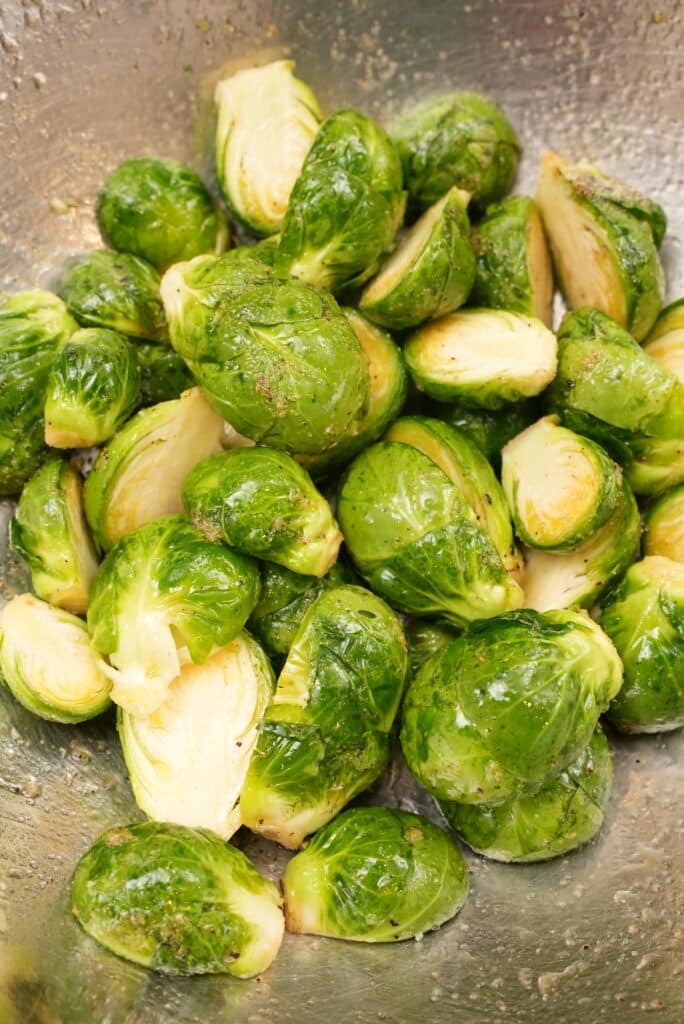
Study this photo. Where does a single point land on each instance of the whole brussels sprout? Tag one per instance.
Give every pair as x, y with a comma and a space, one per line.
604, 240
278, 360
561, 488
115, 290
462, 139
261, 502
507, 705
482, 357
50, 533
267, 120
431, 271
47, 662
325, 736
345, 206
375, 875
178, 900
159, 210
642, 423
425, 639
665, 342
644, 617
489, 429
93, 388
164, 375
513, 263
565, 813
417, 542
165, 595
189, 758
664, 522
33, 325
139, 476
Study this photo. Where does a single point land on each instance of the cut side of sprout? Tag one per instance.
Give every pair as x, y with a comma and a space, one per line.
665, 343
539, 269
665, 526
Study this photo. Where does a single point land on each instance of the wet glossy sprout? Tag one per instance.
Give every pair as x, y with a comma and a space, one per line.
346, 205
489, 429
160, 210
50, 533
267, 120
664, 522
93, 388
425, 639
565, 813
375, 874
164, 375
509, 704
47, 662
431, 271
604, 240
325, 736
165, 596
177, 900
665, 343
644, 617
482, 357
188, 759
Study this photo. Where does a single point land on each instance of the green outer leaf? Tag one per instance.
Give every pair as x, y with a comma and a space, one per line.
425, 639
664, 522
489, 429
164, 374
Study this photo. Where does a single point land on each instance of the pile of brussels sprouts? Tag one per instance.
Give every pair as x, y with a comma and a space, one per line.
345, 380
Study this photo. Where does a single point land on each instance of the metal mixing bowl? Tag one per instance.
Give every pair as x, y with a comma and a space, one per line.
592, 937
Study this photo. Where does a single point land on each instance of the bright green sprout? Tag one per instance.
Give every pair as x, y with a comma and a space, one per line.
425, 639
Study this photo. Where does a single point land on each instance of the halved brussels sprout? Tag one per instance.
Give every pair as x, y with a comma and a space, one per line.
261, 502
489, 429
267, 120
93, 387
159, 210
513, 263
278, 360
604, 240
178, 900
417, 542
115, 290
189, 758
561, 488
565, 813
482, 357
47, 662
664, 522
665, 343
345, 206
164, 374
644, 617
375, 874
509, 704
139, 476
325, 736
431, 271
33, 325
164, 596
50, 533
577, 578
425, 639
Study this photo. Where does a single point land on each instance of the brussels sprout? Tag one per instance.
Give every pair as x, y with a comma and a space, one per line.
115, 290
47, 662
165, 595
325, 736
664, 523
490, 430
267, 120
463, 140
644, 617
561, 488
33, 325
508, 705
415, 539
93, 387
140, 475
430, 273
50, 533
565, 813
604, 241
513, 263
345, 206
482, 357
375, 875
425, 639
642, 423
159, 210
665, 343
188, 759
261, 502
563, 579
178, 900
164, 374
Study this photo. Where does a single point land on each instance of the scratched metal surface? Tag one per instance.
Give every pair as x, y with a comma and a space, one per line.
595, 937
